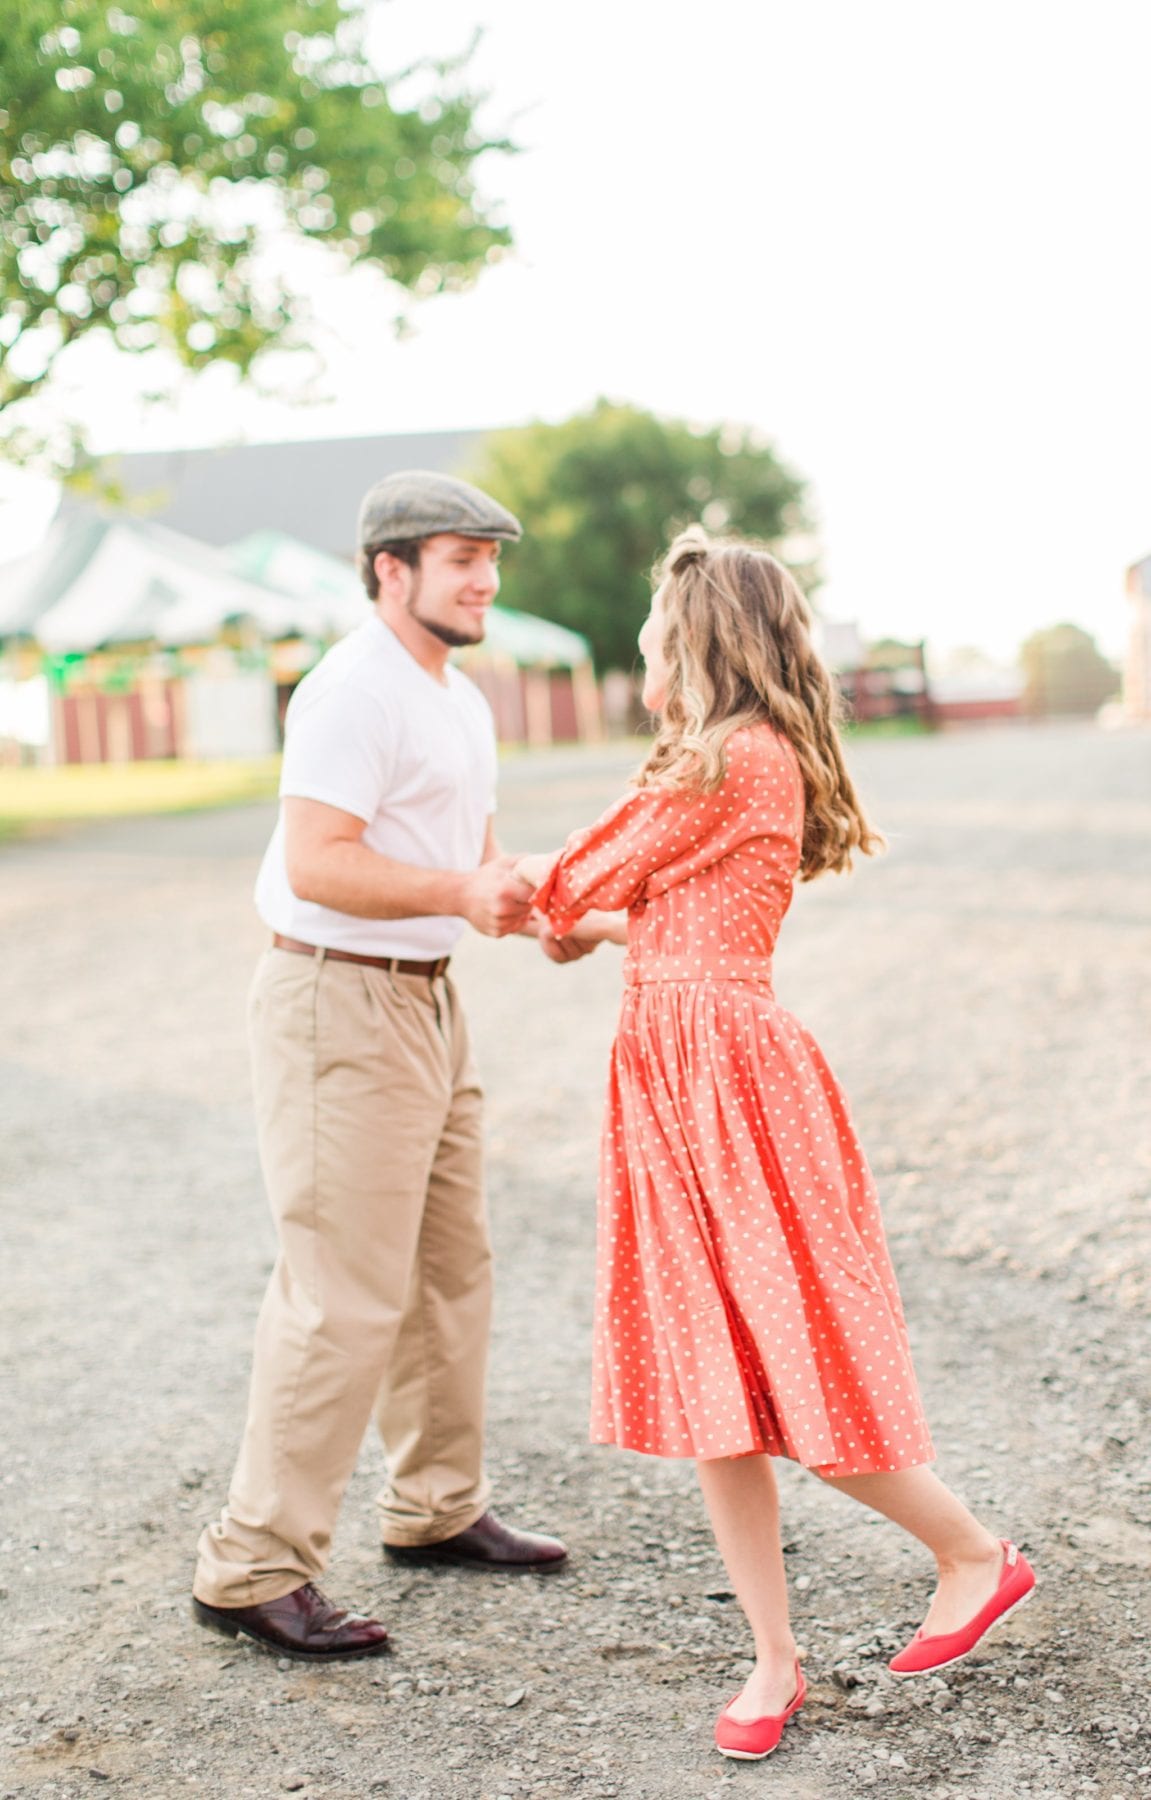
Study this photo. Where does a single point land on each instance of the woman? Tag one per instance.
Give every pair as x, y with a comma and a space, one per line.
746, 1306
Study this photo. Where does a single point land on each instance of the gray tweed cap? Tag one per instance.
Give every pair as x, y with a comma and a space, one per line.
418, 503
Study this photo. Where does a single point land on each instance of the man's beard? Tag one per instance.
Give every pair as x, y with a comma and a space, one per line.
455, 640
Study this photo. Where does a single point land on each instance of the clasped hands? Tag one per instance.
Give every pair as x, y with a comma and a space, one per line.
501, 904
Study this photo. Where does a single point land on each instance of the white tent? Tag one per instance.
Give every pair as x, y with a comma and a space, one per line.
97, 581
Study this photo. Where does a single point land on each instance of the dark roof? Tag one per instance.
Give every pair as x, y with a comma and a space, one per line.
309, 489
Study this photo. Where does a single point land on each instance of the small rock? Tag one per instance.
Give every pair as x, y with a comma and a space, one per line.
425, 1685
294, 1781
99, 1775
515, 1697
283, 1662
875, 1708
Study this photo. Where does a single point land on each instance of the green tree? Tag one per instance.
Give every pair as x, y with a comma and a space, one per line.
155, 157
1064, 672
601, 495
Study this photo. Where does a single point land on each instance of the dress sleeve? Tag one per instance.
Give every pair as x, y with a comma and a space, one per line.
654, 837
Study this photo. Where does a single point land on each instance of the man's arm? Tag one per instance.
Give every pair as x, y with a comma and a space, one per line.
329, 864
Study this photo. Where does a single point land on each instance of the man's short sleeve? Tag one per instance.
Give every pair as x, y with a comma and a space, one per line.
340, 750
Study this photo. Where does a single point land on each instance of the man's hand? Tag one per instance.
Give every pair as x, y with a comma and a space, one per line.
496, 900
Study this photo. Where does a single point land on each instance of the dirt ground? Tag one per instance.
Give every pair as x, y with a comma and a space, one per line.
983, 993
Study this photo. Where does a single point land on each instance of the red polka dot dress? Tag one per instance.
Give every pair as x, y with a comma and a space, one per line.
745, 1300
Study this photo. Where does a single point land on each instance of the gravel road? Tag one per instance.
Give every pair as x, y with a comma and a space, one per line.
982, 991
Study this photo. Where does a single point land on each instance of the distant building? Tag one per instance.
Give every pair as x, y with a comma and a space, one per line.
308, 490
897, 684
874, 689
1137, 663
977, 696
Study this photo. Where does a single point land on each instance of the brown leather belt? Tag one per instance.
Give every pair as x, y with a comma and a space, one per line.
395, 965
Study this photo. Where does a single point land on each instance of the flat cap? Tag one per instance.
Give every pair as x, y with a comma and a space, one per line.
418, 503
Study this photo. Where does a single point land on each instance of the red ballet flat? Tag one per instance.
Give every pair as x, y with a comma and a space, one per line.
749, 1739
925, 1653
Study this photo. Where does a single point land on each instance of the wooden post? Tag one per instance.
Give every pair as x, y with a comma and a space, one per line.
589, 715
538, 707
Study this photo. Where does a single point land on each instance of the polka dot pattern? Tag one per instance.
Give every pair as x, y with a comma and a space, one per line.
745, 1299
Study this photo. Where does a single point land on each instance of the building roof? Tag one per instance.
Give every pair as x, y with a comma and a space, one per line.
310, 489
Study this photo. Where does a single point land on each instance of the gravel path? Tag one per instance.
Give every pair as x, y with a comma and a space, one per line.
983, 993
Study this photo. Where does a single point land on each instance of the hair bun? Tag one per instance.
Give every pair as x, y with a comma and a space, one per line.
690, 547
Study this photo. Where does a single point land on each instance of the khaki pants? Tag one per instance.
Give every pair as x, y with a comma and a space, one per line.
368, 1110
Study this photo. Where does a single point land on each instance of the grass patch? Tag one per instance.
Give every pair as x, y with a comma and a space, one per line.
36, 800
907, 726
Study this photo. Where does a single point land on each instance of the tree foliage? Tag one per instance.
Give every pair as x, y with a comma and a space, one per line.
151, 153
601, 495
1065, 672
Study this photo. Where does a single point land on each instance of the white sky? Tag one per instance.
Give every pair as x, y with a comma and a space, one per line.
907, 240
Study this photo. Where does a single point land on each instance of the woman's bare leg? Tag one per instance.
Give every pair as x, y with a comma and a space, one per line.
968, 1557
743, 1506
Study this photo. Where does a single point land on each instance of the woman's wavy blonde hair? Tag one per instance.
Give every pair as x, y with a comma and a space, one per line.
737, 643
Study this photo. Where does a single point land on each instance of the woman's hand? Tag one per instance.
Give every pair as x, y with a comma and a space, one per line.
586, 934
536, 868
562, 949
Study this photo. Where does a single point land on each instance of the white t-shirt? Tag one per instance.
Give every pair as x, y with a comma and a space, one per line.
369, 731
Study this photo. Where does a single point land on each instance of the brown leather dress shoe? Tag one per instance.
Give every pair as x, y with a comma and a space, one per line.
489, 1545
301, 1624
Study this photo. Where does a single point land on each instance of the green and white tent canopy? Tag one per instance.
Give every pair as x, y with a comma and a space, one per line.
98, 580
101, 579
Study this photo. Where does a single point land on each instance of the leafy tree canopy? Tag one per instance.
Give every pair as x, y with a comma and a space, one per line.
150, 154
601, 495
1065, 672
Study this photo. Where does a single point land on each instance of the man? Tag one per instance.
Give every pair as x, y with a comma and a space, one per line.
367, 1100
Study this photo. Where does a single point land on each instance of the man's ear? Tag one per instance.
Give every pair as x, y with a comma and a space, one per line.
389, 571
